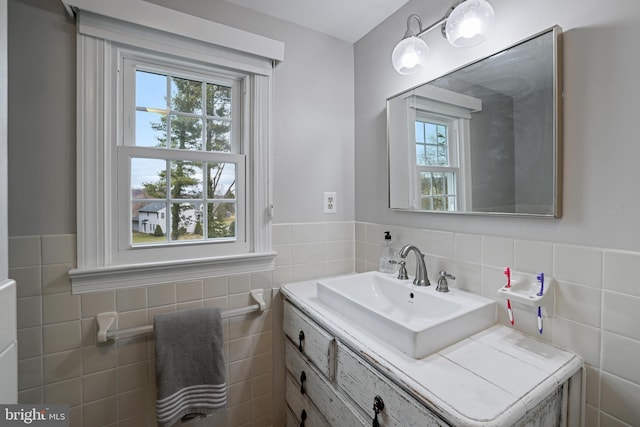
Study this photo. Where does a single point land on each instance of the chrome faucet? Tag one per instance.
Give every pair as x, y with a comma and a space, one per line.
421, 278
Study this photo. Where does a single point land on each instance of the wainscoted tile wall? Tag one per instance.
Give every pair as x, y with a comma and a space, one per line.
114, 384
596, 313
596, 304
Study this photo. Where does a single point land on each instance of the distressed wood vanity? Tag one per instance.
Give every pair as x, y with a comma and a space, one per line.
338, 374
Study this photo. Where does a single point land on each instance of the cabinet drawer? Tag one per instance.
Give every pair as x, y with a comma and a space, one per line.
361, 383
301, 406
333, 407
309, 339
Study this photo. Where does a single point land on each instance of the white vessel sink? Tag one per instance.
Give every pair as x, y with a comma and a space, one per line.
416, 320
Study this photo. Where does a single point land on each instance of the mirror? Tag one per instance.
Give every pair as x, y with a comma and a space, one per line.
483, 139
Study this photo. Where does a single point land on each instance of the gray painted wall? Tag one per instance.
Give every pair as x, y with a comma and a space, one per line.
42, 195
492, 155
601, 206
312, 146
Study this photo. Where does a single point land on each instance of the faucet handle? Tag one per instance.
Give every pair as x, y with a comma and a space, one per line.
402, 271
443, 286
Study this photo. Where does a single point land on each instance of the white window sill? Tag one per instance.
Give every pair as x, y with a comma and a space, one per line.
122, 276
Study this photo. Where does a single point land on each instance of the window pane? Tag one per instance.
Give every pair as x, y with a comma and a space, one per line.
148, 178
422, 159
218, 101
186, 221
151, 129
442, 156
148, 221
219, 136
221, 182
186, 133
452, 203
186, 95
151, 90
441, 134
221, 220
419, 132
425, 183
431, 133
431, 153
439, 186
186, 179
433, 137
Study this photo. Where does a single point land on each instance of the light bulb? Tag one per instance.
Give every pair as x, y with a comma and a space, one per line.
410, 59
409, 56
470, 27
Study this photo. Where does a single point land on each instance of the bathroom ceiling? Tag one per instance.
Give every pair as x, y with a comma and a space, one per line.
348, 20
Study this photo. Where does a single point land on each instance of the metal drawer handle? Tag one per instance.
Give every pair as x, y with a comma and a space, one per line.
378, 405
303, 378
303, 416
300, 338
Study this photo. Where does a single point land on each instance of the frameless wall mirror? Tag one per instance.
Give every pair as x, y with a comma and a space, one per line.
485, 138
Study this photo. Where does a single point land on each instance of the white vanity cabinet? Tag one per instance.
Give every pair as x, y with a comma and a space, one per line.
335, 374
332, 386
310, 365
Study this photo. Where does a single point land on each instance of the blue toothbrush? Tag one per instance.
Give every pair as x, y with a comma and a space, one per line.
540, 278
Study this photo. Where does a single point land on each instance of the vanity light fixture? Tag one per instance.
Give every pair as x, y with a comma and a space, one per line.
465, 24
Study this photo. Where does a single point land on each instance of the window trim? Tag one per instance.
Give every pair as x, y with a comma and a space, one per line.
99, 44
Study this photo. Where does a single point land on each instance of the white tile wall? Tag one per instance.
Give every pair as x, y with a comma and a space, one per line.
597, 306
596, 309
109, 384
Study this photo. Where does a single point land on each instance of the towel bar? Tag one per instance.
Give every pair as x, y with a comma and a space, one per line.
106, 320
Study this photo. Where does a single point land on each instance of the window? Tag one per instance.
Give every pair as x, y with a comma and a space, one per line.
173, 173
437, 165
172, 116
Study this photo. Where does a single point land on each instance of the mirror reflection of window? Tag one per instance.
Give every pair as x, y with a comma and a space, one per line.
435, 165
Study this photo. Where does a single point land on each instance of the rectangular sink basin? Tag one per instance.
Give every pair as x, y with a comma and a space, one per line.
418, 321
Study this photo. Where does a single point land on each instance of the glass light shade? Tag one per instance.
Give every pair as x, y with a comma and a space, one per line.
410, 55
469, 23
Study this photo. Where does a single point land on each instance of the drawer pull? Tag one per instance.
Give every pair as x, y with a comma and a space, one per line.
301, 338
378, 405
303, 378
303, 416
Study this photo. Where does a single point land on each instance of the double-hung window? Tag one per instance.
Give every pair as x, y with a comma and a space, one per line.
173, 170
182, 148
437, 162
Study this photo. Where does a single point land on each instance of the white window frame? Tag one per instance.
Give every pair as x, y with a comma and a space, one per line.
454, 148
127, 149
103, 263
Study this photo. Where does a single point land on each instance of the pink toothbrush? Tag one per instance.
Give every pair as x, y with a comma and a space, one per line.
507, 272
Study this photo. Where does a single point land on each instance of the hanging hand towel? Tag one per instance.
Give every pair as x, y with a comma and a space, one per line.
190, 368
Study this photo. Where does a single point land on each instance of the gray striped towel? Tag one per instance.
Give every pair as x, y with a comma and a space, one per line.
190, 368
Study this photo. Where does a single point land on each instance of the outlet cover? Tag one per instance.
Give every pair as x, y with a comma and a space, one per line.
329, 202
